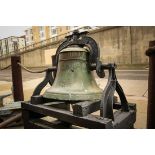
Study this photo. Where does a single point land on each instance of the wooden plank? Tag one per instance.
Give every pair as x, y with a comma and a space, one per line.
124, 120
86, 107
43, 124
26, 117
67, 116
118, 105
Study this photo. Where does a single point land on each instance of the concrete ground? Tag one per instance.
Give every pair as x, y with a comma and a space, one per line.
134, 83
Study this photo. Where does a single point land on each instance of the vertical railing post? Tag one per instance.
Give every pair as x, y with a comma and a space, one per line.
151, 86
17, 78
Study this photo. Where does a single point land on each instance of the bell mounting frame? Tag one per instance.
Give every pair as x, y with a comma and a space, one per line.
124, 117
82, 40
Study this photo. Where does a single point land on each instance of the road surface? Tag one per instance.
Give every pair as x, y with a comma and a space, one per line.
5, 75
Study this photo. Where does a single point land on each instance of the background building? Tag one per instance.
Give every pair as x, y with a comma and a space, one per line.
29, 36
37, 34
124, 45
3, 46
40, 33
11, 44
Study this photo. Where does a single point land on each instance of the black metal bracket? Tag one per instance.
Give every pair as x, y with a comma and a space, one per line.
82, 40
49, 78
106, 109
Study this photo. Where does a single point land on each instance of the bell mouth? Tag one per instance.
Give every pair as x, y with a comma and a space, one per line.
72, 96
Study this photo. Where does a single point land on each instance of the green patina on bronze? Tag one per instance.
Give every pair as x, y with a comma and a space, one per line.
74, 81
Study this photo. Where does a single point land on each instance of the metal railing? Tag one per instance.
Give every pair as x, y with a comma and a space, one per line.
31, 71
43, 43
5, 67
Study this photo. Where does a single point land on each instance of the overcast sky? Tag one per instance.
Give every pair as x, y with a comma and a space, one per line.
6, 31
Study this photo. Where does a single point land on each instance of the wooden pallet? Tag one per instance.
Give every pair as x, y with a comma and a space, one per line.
81, 116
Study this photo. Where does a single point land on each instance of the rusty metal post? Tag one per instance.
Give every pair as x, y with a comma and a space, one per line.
17, 78
151, 86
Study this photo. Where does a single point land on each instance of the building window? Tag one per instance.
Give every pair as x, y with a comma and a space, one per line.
53, 30
30, 31
41, 28
42, 32
42, 35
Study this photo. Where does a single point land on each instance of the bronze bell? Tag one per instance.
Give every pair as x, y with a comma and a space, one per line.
74, 80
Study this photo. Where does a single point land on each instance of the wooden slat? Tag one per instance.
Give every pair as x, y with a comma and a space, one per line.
124, 120
67, 116
43, 124
86, 107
